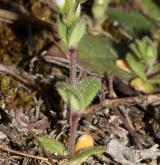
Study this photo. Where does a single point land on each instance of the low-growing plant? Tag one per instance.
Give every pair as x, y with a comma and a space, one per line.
77, 95
142, 62
99, 12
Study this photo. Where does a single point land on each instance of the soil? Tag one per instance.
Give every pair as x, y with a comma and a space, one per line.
29, 100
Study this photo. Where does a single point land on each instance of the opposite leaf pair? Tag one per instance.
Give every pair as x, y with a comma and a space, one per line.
70, 27
142, 62
78, 98
145, 52
71, 35
84, 149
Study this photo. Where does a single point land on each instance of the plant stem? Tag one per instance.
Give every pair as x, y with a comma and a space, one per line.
75, 116
73, 62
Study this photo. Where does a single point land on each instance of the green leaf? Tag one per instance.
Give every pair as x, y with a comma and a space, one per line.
150, 7
77, 33
71, 3
98, 55
52, 145
62, 30
98, 11
151, 54
138, 48
145, 49
83, 1
155, 80
143, 86
78, 158
136, 66
71, 96
132, 21
89, 88
78, 98
99, 8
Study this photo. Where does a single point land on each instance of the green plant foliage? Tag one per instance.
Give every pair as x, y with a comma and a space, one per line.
83, 1
72, 15
62, 30
89, 87
142, 62
52, 145
151, 8
146, 50
78, 98
78, 158
138, 48
155, 80
132, 21
70, 95
23, 98
65, 6
143, 86
99, 8
136, 66
77, 33
98, 54
70, 27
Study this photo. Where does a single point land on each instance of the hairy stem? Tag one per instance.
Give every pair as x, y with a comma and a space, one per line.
73, 63
75, 116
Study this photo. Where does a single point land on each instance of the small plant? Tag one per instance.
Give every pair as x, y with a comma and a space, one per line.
77, 98
84, 148
142, 62
77, 95
99, 11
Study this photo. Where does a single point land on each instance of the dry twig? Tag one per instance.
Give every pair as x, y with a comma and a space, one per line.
123, 115
14, 73
3, 148
63, 62
13, 17
30, 131
152, 99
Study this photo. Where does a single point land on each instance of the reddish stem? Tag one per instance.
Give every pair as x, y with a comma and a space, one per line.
75, 116
73, 62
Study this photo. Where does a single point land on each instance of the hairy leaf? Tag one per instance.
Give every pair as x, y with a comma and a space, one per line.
77, 33
89, 88
62, 30
132, 21
71, 96
82, 156
136, 66
138, 48
145, 49
151, 54
52, 145
98, 55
